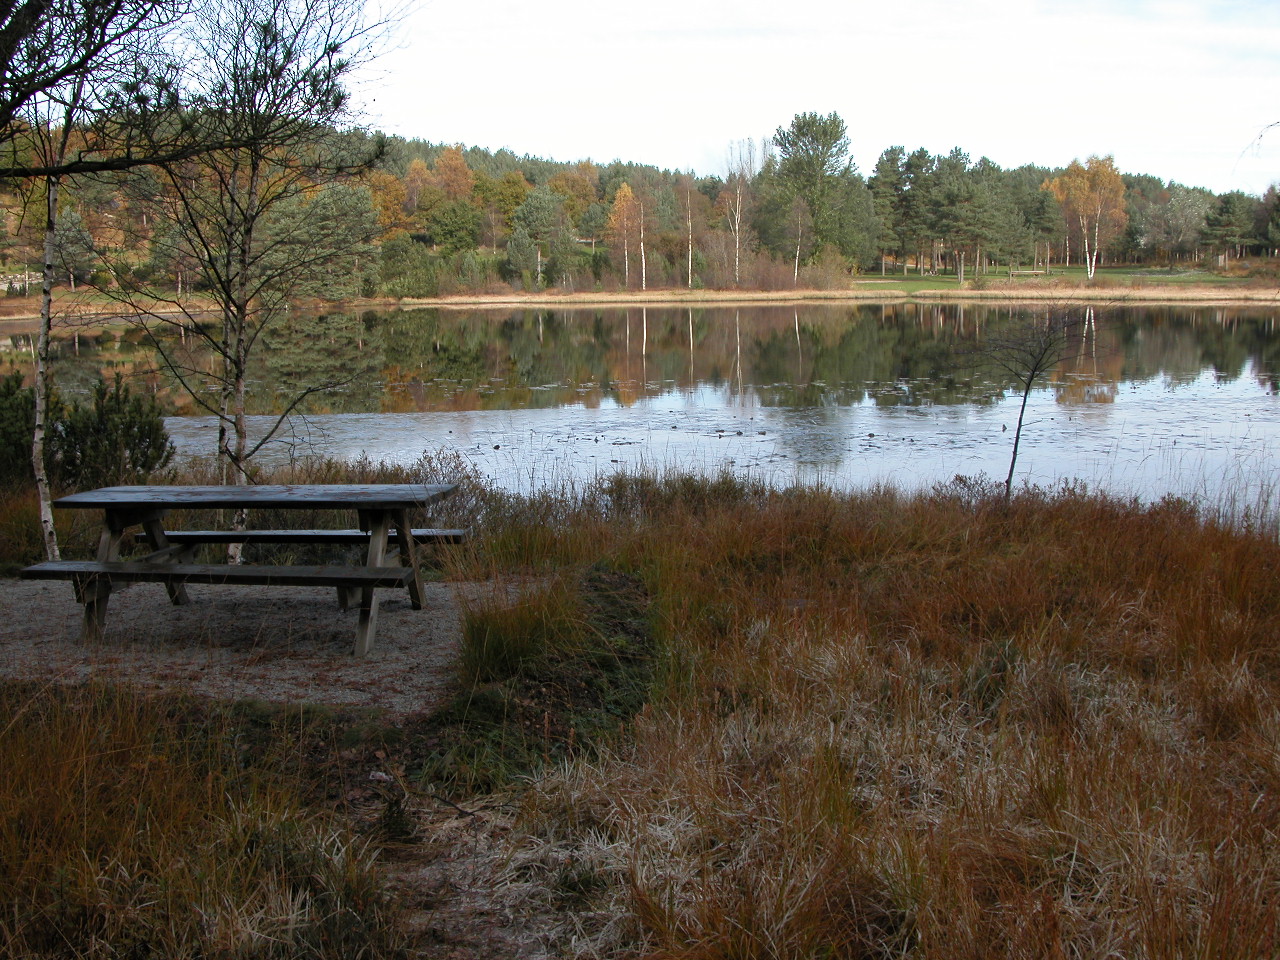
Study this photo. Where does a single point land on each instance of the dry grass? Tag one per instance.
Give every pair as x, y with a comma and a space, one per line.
935, 726
932, 727
129, 828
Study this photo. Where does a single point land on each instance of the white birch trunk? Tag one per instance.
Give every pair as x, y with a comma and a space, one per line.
795, 277
688, 199
643, 272
737, 205
1084, 239
43, 492
1097, 225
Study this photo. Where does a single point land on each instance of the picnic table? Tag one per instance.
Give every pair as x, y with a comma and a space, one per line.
383, 516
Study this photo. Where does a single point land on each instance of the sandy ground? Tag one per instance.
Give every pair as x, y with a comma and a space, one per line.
277, 644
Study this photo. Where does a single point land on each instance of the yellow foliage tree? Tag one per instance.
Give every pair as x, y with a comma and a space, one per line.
416, 179
452, 175
1092, 199
625, 227
578, 186
389, 197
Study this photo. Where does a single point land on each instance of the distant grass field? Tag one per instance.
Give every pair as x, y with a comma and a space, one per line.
1071, 276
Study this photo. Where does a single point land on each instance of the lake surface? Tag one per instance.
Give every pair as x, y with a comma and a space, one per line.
1143, 400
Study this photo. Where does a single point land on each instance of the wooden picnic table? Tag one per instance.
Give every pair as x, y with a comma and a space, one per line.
383, 515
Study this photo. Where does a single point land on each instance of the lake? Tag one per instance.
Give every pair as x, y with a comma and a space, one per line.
1149, 400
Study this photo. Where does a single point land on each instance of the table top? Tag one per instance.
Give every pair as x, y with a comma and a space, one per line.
363, 496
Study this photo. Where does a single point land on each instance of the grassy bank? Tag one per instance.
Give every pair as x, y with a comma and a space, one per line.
934, 726
743, 722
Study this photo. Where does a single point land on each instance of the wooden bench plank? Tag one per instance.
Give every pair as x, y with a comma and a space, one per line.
87, 571
420, 535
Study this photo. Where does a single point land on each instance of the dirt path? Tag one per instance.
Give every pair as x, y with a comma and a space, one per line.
277, 644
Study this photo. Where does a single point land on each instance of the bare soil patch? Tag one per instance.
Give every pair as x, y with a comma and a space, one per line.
276, 644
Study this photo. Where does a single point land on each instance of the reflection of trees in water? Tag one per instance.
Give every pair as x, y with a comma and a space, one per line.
339, 348
899, 354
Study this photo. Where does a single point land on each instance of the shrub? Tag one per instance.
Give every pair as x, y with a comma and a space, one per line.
118, 438
17, 419
408, 268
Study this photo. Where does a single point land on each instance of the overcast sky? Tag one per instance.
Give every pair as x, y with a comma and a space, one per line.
1180, 90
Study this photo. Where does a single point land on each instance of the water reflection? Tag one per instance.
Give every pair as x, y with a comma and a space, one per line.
1149, 399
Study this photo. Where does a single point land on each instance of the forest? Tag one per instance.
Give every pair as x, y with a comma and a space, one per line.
416, 219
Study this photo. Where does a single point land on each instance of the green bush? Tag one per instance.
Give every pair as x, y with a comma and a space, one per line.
117, 438
408, 268
17, 420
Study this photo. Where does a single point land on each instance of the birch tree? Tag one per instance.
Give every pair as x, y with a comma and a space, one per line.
693, 211
737, 197
624, 227
1092, 199
62, 62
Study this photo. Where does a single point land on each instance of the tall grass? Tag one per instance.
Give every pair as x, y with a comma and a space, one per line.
934, 726
128, 828
939, 725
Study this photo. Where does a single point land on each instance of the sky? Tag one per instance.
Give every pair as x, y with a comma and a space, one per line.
1184, 91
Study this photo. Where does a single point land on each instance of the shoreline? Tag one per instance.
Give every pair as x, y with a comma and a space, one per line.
1189, 295
867, 292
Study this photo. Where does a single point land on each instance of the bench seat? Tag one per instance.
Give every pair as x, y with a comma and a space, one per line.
84, 572
419, 534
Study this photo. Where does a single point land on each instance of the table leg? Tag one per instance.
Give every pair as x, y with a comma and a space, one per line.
408, 557
154, 529
95, 592
379, 523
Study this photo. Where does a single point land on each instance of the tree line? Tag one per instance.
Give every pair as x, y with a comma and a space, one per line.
426, 219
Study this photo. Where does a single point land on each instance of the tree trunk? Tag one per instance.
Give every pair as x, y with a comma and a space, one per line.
1017, 438
644, 277
43, 492
795, 275
688, 199
1093, 263
737, 245
737, 210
